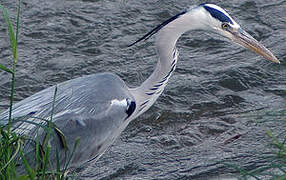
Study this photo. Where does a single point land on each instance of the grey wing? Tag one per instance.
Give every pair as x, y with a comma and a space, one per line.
92, 108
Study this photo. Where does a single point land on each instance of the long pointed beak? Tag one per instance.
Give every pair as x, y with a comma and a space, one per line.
243, 38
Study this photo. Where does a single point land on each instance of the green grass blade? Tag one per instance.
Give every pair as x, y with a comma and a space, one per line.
281, 177
14, 155
11, 33
23, 177
71, 155
38, 155
53, 104
61, 137
58, 165
29, 170
46, 161
5, 69
18, 21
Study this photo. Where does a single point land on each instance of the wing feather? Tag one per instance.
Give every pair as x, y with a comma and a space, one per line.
92, 108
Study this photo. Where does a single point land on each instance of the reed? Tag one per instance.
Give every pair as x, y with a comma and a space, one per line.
12, 145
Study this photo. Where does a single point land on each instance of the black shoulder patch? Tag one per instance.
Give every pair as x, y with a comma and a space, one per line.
218, 14
131, 106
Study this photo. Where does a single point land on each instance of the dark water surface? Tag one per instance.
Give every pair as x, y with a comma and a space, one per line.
218, 104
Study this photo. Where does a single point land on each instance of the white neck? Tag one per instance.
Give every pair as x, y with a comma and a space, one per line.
147, 93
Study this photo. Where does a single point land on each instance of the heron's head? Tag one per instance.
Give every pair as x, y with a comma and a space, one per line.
219, 21
209, 17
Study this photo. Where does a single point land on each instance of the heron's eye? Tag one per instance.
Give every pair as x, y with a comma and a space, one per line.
225, 26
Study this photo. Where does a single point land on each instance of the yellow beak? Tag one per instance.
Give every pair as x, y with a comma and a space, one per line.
243, 38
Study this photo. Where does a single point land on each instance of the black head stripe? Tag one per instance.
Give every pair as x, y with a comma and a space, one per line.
218, 14
156, 29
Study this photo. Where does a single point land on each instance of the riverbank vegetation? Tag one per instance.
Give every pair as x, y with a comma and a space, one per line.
12, 145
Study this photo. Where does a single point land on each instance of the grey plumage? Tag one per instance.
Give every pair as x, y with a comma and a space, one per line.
95, 118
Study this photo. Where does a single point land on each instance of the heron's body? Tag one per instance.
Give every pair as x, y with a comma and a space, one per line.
96, 118
97, 108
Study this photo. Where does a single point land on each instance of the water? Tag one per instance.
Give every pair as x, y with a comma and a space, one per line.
218, 104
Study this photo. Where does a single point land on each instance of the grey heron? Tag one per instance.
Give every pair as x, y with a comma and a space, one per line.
97, 108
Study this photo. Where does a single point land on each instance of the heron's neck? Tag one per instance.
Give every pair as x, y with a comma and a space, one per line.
146, 94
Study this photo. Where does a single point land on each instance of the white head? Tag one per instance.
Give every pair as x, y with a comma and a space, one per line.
213, 18
219, 21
